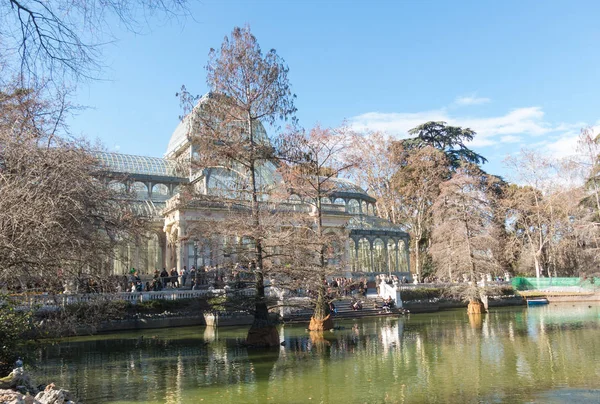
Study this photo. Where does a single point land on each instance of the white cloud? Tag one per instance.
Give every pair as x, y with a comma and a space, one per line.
562, 146
510, 127
117, 147
396, 124
471, 100
510, 139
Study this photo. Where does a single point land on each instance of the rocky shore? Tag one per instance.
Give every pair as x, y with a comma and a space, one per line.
17, 388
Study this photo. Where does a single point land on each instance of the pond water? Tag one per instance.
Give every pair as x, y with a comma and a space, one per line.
545, 354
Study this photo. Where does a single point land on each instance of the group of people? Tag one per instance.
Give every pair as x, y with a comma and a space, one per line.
388, 305
216, 277
161, 280
347, 286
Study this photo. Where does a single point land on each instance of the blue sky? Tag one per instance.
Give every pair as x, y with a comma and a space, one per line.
521, 74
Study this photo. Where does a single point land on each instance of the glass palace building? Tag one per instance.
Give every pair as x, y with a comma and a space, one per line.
373, 245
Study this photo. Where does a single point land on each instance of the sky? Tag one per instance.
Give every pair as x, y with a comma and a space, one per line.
522, 74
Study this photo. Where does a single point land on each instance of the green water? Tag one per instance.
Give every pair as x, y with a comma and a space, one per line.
514, 355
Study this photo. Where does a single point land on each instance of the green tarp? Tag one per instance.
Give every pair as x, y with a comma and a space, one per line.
544, 283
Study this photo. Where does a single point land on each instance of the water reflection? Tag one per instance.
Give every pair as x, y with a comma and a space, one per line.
509, 355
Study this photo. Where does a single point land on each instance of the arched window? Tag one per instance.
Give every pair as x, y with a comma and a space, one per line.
140, 189
176, 190
117, 186
160, 191
353, 207
364, 255
339, 201
379, 256
294, 199
325, 201
363, 206
226, 183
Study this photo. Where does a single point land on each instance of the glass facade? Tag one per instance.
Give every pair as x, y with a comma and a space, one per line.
129, 164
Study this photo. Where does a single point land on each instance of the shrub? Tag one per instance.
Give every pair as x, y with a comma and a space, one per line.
15, 325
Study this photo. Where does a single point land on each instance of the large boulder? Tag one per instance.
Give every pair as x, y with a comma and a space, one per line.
18, 379
14, 397
52, 395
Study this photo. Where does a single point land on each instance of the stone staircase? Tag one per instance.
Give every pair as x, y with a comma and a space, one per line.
371, 307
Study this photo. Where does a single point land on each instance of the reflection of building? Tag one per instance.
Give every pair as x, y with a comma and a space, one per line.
375, 245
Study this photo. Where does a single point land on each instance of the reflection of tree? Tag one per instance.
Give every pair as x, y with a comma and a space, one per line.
427, 358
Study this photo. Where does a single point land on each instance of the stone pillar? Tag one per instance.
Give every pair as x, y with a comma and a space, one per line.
387, 257
397, 256
372, 260
356, 262
181, 248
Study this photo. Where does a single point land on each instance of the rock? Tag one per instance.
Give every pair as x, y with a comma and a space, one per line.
17, 380
11, 397
52, 395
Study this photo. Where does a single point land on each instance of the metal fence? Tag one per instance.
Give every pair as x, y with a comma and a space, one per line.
556, 284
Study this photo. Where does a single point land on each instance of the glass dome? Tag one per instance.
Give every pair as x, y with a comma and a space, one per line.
130, 164
181, 138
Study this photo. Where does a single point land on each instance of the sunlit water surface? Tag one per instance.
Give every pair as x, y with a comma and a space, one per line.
539, 355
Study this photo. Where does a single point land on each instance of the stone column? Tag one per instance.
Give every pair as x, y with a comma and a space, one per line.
372, 260
387, 256
181, 248
356, 263
397, 257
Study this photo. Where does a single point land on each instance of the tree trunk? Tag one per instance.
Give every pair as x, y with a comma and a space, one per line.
262, 332
475, 307
538, 267
321, 319
417, 260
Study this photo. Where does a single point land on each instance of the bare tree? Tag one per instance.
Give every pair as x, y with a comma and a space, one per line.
314, 159
417, 182
46, 39
59, 220
248, 88
462, 237
552, 214
373, 167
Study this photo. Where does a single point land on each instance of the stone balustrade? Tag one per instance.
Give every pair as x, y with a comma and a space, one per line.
51, 302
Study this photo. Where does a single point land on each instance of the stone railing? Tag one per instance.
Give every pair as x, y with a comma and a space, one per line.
49, 302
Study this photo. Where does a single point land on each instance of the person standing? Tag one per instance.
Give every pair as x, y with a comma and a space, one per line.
164, 275
183, 276
173, 277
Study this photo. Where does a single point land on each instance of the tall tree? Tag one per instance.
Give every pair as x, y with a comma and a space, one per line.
59, 219
248, 88
314, 159
462, 238
417, 184
537, 209
449, 139
589, 149
372, 167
